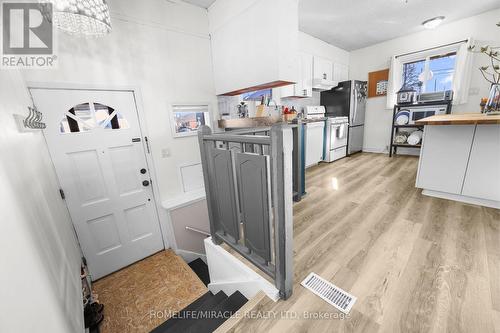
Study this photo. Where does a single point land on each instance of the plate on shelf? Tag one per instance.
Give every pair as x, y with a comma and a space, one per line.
402, 118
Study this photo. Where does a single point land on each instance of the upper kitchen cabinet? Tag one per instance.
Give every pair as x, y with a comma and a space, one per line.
323, 74
254, 44
303, 87
340, 72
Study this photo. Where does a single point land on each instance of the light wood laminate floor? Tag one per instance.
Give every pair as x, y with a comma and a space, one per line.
416, 263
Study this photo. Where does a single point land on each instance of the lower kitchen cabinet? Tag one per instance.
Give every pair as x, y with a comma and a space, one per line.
483, 172
461, 162
444, 157
314, 142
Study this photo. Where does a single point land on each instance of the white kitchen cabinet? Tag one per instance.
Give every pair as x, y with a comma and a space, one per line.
340, 72
323, 69
303, 87
254, 44
461, 162
443, 161
314, 142
482, 179
323, 74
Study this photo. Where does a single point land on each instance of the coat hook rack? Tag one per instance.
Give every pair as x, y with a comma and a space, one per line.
31, 122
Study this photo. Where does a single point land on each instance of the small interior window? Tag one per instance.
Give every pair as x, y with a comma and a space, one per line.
88, 116
188, 118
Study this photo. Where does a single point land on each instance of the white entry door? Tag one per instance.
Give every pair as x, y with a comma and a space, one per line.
98, 151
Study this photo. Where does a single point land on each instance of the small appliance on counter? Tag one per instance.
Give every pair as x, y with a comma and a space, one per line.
348, 99
440, 96
406, 96
314, 134
336, 138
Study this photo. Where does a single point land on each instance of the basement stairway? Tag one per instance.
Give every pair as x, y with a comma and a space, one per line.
211, 310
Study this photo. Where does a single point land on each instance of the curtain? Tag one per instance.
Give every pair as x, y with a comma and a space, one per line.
394, 84
463, 72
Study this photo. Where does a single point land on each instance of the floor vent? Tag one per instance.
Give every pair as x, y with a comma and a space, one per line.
329, 292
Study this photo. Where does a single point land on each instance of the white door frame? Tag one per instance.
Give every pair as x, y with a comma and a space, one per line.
166, 229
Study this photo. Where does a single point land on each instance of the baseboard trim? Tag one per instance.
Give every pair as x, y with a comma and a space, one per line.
375, 150
462, 198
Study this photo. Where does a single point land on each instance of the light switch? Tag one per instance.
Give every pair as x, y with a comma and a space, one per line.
165, 152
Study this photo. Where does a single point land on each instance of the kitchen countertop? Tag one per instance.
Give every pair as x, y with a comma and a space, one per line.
254, 122
460, 119
250, 122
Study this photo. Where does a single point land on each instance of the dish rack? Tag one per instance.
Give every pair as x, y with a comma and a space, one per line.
395, 129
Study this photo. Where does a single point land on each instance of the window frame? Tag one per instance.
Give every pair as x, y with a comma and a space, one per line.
427, 57
176, 107
75, 121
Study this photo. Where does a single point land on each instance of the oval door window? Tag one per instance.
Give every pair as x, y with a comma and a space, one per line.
87, 116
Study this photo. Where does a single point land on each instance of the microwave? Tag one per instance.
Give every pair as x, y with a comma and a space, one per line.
421, 112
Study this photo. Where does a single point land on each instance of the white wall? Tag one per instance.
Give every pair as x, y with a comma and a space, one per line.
161, 47
481, 28
40, 281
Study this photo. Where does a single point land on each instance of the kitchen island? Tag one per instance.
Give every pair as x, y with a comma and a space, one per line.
460, 158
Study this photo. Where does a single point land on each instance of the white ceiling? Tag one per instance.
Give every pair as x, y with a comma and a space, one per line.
353, 24
201, 3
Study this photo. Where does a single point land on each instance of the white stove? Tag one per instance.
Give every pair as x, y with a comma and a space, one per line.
314, 112
336, 138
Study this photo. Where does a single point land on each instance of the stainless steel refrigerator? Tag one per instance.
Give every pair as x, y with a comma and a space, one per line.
348, 99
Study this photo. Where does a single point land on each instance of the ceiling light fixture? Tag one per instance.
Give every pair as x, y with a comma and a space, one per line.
81, 17
433, 22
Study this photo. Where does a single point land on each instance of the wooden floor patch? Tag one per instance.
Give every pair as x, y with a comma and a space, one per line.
140, 297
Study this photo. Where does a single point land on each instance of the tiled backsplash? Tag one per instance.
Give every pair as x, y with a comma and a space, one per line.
300, 103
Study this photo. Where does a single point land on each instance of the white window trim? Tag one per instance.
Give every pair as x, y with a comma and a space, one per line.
179, 106
426, 56
397, 63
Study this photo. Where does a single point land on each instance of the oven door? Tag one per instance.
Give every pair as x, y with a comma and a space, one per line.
338, 135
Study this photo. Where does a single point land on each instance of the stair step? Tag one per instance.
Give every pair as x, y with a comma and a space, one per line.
232, 304
201, 269
206, 302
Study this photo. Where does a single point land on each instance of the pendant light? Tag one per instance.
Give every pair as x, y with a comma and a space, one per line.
80, 17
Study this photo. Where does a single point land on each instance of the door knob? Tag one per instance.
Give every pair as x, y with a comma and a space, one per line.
143, 171
145, 183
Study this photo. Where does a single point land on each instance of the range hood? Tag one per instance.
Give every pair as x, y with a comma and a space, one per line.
323, 84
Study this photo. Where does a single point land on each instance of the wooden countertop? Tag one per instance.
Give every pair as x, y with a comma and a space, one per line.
255, 122
460, 119
249, 122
